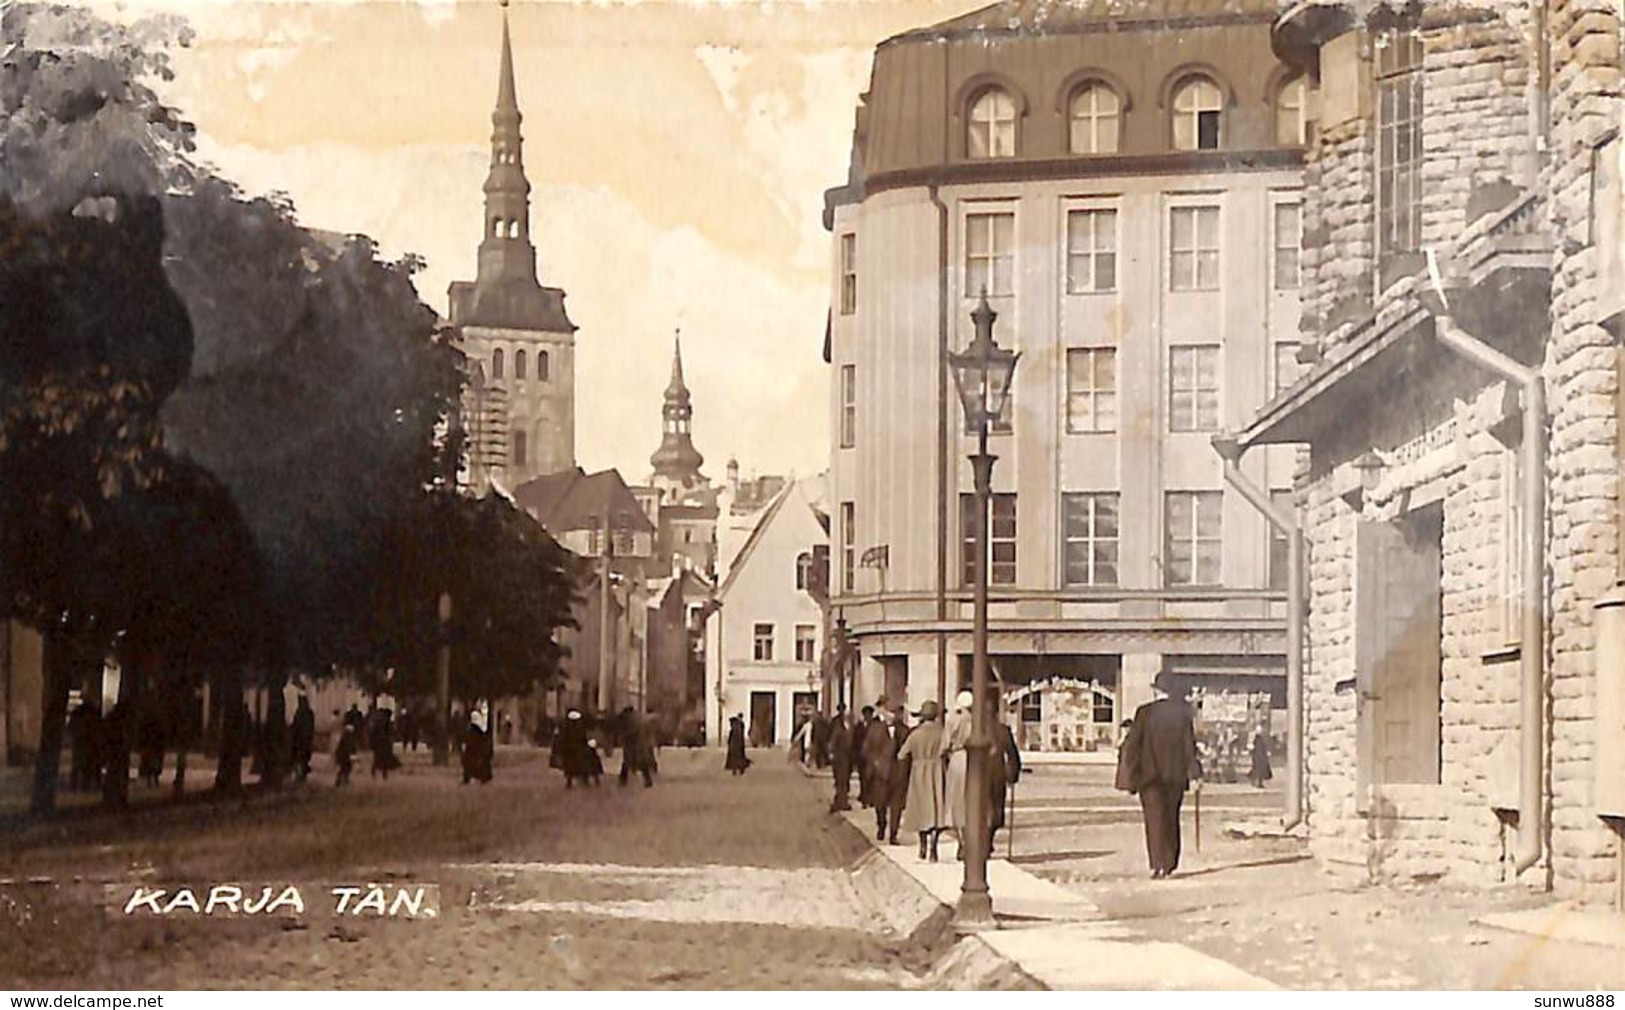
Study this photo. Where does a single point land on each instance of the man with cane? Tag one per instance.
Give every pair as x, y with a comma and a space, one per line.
1158, 762
1003, 772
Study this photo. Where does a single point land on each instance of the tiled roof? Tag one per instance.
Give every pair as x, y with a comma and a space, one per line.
576, 500
1067, 16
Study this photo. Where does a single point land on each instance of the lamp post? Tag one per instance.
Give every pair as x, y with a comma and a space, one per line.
839, 667
982, 375
442, 700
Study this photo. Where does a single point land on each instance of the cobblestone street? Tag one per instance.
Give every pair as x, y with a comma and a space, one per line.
705, 881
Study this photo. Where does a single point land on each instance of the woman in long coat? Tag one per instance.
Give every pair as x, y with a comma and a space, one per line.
737, 761
926, 812
956, 737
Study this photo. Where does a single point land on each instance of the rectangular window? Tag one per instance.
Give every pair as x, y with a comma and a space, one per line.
1193, 388
1032, 706
990, 254
762, 650
1286, 368
1001, 539
849, 406
849, 274
1091, 530
1091, 251
849, 550
1091, 389
1288, 245
1193, 549
1399, 141
1280, 544
806, 643
1193, 244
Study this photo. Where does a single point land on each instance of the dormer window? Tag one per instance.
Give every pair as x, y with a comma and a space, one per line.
992, 128
1096, 114
1198, 110
1291, 123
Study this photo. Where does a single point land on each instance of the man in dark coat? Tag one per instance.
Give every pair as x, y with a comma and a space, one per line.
737, 761
840, 756
820, 740
860, 763
302, 738
897, 785
637, 750
1158, 761
878, 754
1003, 771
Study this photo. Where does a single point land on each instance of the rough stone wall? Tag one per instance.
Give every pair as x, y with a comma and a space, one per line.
1338, 246
1580, 376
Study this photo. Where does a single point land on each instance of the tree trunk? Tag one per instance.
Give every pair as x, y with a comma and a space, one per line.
181, 708
61, 666
228, 775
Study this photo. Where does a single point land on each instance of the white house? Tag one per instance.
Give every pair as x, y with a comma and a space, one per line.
764, 639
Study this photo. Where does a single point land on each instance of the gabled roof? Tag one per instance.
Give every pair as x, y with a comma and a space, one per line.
576, 500
759, 531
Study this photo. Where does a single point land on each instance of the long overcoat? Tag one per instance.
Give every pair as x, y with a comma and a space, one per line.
879, 754
956, 736
927, 808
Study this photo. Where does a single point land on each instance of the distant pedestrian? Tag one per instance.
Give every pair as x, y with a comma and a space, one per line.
801, 744
344, 753
302, 738
383, 744
355, 720
1158, 762
860, 765
150, 743
879, 754
956, 736
840, 758
411, 729
637, 751
737, 761
572, 751
820, 740
1259, 773
926, 812
896, 796
1003, 771
477, 757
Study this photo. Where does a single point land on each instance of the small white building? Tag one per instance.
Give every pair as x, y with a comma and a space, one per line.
764, 641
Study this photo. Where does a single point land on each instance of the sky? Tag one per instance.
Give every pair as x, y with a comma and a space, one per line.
677, 152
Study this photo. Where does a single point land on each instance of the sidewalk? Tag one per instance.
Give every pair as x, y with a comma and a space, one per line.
1060, 939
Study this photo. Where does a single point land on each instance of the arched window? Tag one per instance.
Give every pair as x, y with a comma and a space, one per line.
541, 366
1096, 114
1291, 125
1198, 107
513, 228
518, 446
992, 129
804, 568
496, 227
496, 363
519, 364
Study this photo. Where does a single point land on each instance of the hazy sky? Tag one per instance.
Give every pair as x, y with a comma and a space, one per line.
678, 154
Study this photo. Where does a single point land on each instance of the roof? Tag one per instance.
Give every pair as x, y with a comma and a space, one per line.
575, 500
509, 303
792, 489
1061, 17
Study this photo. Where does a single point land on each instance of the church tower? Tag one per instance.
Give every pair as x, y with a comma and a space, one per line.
512, 327
677, 463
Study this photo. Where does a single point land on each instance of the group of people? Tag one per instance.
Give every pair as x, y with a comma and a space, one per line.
914, 778
575, 749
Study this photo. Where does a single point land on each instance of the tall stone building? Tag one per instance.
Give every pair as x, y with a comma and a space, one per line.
518, 338
1461, 486
1122, 177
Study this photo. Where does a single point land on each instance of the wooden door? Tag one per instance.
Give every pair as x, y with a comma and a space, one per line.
763, 713
1398, 619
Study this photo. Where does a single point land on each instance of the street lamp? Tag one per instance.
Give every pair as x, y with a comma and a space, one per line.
839, 666
982, 374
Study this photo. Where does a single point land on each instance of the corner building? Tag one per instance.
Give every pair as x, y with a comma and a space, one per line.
1123, 180
1456, 507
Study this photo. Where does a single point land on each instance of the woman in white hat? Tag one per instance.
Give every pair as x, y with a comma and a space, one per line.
956, 736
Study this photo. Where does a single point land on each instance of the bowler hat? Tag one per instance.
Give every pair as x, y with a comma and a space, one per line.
929, 710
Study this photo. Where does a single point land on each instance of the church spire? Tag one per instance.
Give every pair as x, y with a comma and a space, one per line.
506, 253
677, 462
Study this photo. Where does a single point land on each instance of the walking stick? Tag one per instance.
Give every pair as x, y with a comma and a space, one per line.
1198, 815
1010, 835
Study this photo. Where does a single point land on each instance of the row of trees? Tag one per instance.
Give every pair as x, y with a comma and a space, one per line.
227, 444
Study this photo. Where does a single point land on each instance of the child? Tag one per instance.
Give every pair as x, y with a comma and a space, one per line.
344, 757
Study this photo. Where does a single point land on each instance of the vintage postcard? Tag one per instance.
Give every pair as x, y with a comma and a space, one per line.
812, 495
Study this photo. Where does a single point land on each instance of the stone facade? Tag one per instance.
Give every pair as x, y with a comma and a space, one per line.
1516, 99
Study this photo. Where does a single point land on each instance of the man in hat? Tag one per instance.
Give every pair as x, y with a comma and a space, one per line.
896, 791
1158, 762
840, 756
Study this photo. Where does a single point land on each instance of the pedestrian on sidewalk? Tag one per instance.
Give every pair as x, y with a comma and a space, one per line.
840, 758
1260, 771
344, 754
801, 745
737, 761
897, 783
860, 763
1158, 762
383, 744
1003, 770
879, 754
572, 751
956, 735
478, 758
926, 811
820, 740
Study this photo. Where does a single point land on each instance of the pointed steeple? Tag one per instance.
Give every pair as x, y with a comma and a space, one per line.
506, 252
677, 462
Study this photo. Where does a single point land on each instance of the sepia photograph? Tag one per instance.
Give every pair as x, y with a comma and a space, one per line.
812, 495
